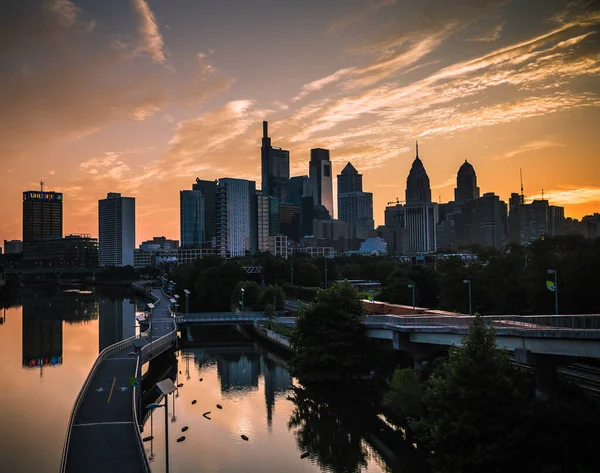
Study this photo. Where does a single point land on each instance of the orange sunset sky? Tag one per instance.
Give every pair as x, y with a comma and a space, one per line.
143, 96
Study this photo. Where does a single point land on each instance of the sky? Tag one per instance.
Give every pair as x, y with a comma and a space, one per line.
143, 96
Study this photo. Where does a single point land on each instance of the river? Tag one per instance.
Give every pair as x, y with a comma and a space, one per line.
49, 343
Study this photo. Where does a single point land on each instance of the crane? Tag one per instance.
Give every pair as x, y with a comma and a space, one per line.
395, 202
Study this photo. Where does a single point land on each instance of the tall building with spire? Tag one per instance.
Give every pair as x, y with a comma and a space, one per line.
275, 163
466, 184
355, 207
421, 213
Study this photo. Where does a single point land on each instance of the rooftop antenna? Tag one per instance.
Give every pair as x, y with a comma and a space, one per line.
522, 194
542, 194
42, 186
440, 199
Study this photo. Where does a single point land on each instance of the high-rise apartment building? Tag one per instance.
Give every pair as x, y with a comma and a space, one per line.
13, 246
209, 192
262, 222
236, 217
275, 164
42, 216
320, 173
191, 218
116, 230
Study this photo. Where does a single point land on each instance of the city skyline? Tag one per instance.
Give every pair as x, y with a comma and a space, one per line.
503, 85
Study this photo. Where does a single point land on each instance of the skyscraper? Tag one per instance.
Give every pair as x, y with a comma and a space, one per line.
421, 213
116, 230
42, 216
466, 184
349, 180
275, 163
236, 217
354, 206
191, 218
209, 191
320, 173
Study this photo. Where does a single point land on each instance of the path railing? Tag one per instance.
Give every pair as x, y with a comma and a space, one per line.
585, 323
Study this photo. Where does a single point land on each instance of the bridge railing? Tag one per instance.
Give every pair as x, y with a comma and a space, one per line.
138, 438
158, 345
107, 352
578, 322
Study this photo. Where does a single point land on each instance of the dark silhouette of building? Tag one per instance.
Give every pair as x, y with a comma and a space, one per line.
42, 216
116, 230
289, 221
209, 192
275, 164
420, 213
191, 218
349, 180
466, 184
320, 173
73, 251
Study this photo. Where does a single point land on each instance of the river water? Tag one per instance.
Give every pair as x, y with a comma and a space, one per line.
48, 345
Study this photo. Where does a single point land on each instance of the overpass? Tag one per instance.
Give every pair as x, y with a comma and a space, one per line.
58, 272
103, 432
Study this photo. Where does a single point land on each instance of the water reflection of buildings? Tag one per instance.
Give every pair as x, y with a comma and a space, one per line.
117, 320
238, 372
277, 380
42, 336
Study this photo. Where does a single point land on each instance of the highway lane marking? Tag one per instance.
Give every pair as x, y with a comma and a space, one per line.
111, 390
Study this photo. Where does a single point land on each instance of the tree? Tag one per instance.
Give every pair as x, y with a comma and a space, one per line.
404, 397
251, 295
475, 408
329, 340
270, 294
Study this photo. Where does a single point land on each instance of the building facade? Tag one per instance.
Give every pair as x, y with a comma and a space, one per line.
320, 173
42, 216
116, 230
466, 184
236, 218
209, 192
13, 247
349, 180
191, 218
275, 167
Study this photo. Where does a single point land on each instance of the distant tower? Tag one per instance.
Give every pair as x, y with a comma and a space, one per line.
349, 180
420, 213
42, 215
466, 184
321, 176
417, 183
275, 163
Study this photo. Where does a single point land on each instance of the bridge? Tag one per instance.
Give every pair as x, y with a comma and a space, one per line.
103, 432
227, 318
58, 272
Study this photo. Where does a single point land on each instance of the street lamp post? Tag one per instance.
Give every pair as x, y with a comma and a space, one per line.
187, 301
325, 271
412, 286
151, 307
165, 387
242, 300
292, 269
468, 281
555, 272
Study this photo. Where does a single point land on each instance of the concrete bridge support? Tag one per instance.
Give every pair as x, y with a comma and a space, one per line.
546, 374
422, 353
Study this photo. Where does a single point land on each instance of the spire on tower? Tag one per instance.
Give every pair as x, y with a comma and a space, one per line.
417, 143
42, 186
522, 195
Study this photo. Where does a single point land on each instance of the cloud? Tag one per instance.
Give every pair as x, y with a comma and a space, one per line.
151, 41
490, 35
533, 146
217, 141
108, 166
207, 80
359, 13
570, 195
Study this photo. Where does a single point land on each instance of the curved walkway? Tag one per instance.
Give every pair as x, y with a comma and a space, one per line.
103, 434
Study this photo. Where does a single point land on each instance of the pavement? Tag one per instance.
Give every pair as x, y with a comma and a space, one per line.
103, 436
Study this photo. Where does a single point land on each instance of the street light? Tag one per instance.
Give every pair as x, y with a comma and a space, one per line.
412, 286
151, 307
468, 281
165, 387
555, 288
187, 301
242, 300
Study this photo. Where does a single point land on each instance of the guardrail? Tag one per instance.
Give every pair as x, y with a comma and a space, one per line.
139, 443
583, 322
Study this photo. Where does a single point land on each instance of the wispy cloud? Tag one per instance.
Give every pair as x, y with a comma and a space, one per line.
151, 42
492, 34
570, 195
359, 13
533, 146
